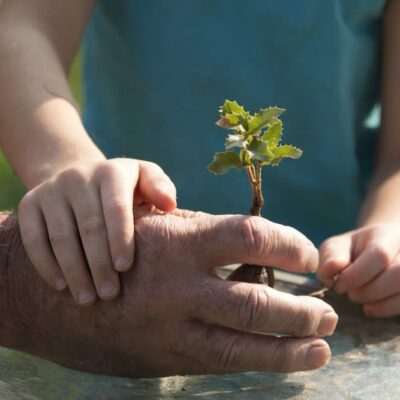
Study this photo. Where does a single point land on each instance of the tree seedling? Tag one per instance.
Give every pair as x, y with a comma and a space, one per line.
253, 144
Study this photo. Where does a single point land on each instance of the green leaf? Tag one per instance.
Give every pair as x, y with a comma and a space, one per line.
273, 134
233, 116
263, 118
224, 161
285, 151
260, 151
232, 107
235, 141
245, 157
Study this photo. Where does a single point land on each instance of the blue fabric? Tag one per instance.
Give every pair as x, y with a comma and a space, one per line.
156, 72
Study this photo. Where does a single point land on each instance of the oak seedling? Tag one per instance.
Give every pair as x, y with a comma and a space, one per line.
254, 143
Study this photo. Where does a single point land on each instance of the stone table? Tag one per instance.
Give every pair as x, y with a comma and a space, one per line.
365, 365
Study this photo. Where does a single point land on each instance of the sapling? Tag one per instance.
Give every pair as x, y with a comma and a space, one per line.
253, 144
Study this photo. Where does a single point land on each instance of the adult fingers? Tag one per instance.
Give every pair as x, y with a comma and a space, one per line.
36, 242
156, 187
334, 257
89, 217
383, 286
376, 257
220, 350
117, 181
257, 308
66, 245
224, 240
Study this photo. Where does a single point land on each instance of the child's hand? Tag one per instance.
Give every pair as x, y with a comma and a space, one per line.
78, 226
367, 265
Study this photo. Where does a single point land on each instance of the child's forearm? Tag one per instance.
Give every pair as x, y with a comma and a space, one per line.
41, 131
383, 202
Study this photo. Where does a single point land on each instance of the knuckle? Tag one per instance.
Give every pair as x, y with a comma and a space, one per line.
30, 236
99, 264
60, 234
25, 204
282, 357
253, 311
295, 250
305, 322
254, 236
92, 226
73, 177
118, 209
108, 169
230, 354
380, 253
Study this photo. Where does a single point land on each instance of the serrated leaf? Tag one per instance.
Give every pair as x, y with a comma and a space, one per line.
285, 151
260, 151
232, 107
273, 134
263, 118
233, 116
224, 161
235, 141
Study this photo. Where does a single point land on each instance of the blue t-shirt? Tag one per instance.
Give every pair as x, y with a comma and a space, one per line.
156, 71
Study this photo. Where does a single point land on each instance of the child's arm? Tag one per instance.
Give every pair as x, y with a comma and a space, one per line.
368, 258
81, 202
41, 131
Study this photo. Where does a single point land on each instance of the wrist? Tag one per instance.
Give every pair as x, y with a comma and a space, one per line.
63, 161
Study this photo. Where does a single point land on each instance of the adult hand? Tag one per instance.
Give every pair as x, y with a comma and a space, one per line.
366, 262
174, 315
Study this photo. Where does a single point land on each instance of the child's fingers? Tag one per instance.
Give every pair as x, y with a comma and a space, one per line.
117, 188
335, 256
66, 246
378, 254
383, 286
36, 242
388, 307
156, 186
92, 229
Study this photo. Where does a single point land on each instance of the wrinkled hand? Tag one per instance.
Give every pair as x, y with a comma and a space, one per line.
366, 262
175, 316
78, 226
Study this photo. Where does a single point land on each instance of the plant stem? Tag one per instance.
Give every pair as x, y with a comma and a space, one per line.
258, 200
254, 273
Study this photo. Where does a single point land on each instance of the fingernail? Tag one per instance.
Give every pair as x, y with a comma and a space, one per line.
318, 355
107, 290
312, 262
339, 287
121, 264
327, 324
85, 297
61, 284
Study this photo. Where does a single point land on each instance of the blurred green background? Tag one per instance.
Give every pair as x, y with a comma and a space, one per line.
11, 189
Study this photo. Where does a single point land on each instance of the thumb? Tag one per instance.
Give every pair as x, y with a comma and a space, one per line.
156, 187
334, 257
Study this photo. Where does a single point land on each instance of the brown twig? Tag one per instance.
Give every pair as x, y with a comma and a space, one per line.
247, 272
